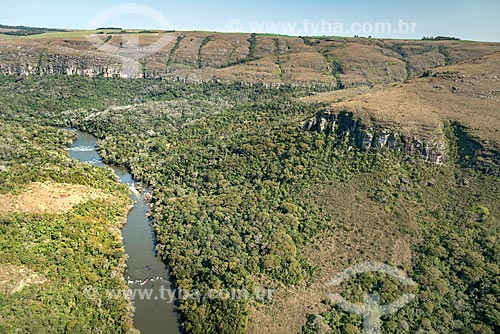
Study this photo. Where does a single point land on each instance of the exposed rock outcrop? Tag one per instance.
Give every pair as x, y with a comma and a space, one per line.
352, 131
197, 57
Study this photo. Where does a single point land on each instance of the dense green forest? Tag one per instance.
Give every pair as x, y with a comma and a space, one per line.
76, 251
232, 173
456, 260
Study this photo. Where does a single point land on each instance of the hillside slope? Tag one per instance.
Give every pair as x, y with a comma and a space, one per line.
255, 187
414, 116
250, 58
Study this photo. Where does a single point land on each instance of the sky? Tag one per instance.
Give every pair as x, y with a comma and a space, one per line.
465, 19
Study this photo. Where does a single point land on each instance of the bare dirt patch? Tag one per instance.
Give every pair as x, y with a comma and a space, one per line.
48, 197
14, 278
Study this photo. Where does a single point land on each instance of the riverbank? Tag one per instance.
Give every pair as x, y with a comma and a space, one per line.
60, 241
146, 274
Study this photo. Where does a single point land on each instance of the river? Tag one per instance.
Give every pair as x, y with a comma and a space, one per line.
146, 273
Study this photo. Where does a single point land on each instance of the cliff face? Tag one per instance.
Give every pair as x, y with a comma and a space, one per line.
344, 126
27, 60
59, 64
449, 114
249, 58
